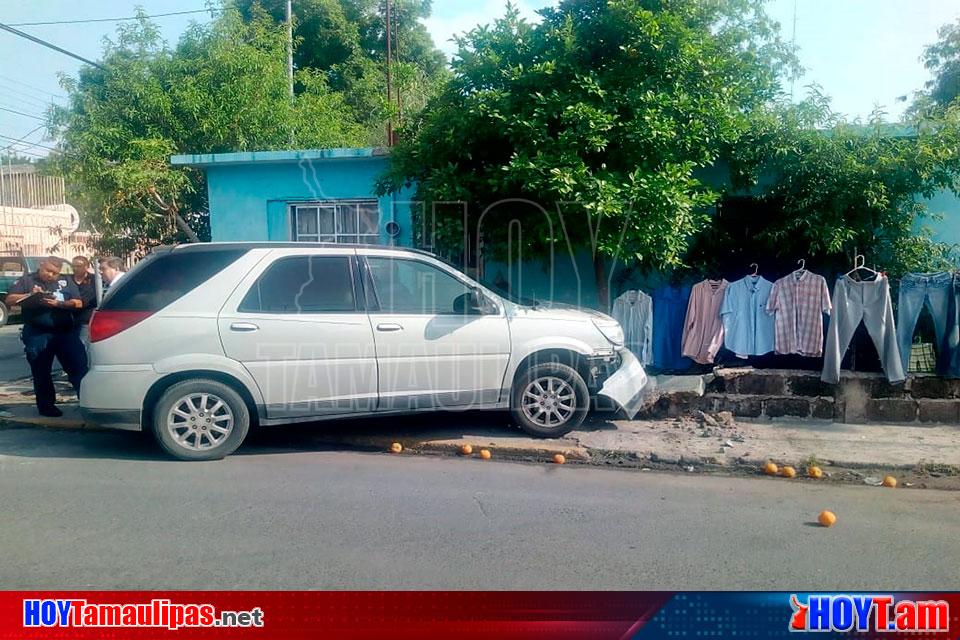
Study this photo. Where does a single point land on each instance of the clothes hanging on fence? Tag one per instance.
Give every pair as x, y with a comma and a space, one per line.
798, 302
870, 302
948, 364
634, 311
747, 326
703, 329
669, 314
918, 290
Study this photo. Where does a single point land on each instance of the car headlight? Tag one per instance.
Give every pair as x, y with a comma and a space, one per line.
612, 332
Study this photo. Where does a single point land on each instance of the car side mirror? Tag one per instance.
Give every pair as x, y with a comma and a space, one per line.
471, 303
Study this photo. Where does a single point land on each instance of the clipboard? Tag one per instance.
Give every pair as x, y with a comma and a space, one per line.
32, 301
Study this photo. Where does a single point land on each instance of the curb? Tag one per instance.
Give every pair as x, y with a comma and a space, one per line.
571, 449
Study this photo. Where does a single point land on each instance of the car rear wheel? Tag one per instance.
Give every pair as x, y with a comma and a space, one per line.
4, 314
200, 419
549, 400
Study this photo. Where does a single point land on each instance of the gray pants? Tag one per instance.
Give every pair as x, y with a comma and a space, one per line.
868, 301
917, 290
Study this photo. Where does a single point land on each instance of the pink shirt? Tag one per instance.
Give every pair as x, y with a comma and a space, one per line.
799, 301
703, 329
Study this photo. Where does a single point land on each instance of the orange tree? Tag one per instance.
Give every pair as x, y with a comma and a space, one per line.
590, 128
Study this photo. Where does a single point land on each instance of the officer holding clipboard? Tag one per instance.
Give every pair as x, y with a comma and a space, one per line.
48, 302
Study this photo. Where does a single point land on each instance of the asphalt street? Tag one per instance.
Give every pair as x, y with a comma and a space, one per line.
106, 510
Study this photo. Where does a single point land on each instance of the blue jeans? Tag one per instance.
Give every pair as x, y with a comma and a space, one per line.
948, 364
917, 290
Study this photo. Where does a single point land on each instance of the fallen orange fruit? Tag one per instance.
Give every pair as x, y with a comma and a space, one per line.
466, 450
396, 447
788, 472
889, 481
827, 519
558, 458
770, 469
814, 472
485, 454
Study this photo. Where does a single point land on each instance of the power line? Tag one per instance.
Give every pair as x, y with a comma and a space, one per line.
83, 21
50, 45
32, 144
28, 134
8, 79
24, 96
21, 113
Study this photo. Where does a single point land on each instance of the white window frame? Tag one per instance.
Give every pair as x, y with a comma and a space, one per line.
339, 235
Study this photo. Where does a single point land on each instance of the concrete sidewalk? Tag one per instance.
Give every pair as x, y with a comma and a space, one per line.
700, 442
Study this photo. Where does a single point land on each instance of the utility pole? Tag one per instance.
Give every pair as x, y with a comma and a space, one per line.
290, 65
290, 46
389, 82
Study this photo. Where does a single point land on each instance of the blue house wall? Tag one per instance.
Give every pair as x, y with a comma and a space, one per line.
250, 196
250, 193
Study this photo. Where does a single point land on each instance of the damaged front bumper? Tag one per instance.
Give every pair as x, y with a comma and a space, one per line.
623, 388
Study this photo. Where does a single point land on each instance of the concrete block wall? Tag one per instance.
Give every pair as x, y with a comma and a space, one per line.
859, 398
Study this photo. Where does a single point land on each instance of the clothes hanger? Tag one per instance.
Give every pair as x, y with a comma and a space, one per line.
756, 269
803, 267
859, 262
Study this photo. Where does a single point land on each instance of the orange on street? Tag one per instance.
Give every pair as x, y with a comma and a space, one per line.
396, 447
770, 469
827, 519
558, 458
814, 472
889, 481
485, 454
788, 472
466, 450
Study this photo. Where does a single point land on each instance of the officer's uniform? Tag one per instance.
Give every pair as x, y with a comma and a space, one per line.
50, 332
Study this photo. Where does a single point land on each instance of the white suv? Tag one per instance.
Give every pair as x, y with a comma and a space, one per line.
200, 341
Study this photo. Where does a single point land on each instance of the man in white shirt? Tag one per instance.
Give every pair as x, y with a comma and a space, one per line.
111, 270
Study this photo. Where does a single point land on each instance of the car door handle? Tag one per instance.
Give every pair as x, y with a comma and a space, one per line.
388, 326
243, 327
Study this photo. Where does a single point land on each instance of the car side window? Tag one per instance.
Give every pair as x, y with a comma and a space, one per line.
303, 284
414, 287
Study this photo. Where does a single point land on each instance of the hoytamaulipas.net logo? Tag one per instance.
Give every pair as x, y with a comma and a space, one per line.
877, 613
159, 612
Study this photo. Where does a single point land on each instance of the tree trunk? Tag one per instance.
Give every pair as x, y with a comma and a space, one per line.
183, 226
600, 274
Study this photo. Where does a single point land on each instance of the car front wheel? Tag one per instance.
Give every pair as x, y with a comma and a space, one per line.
200, 419
549, 400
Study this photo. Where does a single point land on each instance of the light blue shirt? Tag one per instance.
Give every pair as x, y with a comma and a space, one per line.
748, 329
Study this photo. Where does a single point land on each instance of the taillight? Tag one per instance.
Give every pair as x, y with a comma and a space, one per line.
105, 324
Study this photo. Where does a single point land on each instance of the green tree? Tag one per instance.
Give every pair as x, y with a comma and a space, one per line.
222, 88
346, 41
599, 118
837, 186
943, 59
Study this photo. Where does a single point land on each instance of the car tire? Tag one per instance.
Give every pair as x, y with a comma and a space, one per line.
549, 400
4, 314
200, 419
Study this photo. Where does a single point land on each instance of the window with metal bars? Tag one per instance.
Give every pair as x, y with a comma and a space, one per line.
340, 221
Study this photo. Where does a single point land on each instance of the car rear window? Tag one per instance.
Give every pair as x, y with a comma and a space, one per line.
167, 277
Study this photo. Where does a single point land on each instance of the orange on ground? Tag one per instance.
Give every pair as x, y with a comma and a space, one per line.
485, 454
788, 472
814, 472
466, 450
558, 458
889, 481
770, 469
396, 447
827, 518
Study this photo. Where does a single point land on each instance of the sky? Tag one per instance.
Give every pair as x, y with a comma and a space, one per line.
863, 53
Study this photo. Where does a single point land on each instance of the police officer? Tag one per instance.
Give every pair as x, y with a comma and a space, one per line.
49, 330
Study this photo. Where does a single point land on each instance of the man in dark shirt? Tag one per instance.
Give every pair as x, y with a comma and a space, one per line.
88, 296
49, 303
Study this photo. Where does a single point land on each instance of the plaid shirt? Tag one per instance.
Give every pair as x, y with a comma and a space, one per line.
799, 302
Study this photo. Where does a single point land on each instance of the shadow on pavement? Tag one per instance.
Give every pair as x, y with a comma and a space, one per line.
350, 434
